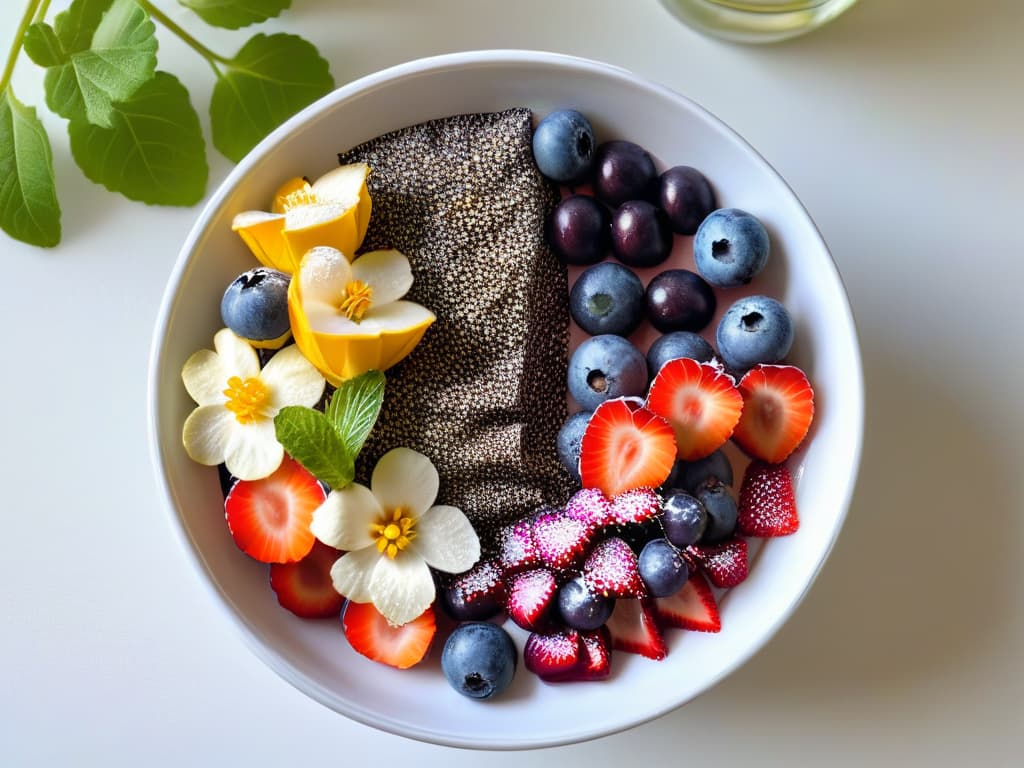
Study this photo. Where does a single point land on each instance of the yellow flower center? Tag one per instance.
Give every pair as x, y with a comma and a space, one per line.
304, 196
246, 398
356, 300
394, 532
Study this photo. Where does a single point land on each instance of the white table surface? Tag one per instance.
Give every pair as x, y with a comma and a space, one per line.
901, 126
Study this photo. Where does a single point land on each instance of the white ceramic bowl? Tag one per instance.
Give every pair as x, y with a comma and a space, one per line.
314, 656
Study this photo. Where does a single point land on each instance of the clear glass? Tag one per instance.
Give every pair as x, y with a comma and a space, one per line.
756, 21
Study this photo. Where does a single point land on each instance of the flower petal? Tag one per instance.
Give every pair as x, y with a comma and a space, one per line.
396, 316
401, 588
387, 272
291, 380
325, 318
237, 356
207, 433
205, 377
253, 451
323, 275
352, 572
343, 521
404, 478
445, 539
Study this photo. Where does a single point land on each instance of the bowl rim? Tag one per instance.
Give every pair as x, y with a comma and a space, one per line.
433, 64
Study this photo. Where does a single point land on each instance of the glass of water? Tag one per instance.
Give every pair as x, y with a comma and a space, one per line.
756, 21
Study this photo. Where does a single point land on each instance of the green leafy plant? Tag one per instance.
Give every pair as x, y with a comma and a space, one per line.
132, 127
327, 443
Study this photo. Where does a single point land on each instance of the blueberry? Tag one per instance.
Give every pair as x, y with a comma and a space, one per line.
686, 197
581, 607
730, 247
479, 659
683, 518
568, 441
563, 146
677, 344
691, 475
721, 508
605, 367
255, 305
662, 568
755, 329
607, 298
578, 230
680, 300
641, 234
624, 171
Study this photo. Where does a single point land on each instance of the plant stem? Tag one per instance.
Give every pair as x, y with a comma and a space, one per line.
190, 41
19, 39
41, 13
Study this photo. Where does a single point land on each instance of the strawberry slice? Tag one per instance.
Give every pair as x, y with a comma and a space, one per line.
611, 570
725, 564
624, 447
477, 594
701, 403
552, 657
561, 539
370, 634
778, 407
692, 607
594, 661
531, 601
269, 518
636, 506
633, 628
516, 549
766, 505
591, 507
305, 587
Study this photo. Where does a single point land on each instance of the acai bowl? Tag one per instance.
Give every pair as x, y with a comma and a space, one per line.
418, 702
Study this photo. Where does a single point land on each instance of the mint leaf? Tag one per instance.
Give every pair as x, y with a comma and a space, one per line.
310, 438
110, 52
354, 408
232, 14
28, 197
42, 46
154, 150
269, 79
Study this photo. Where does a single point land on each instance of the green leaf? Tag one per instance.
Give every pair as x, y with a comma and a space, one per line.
270, 79
233, 14
111, 52
42, 45
154, 150
29, 210
310, 438
354, 408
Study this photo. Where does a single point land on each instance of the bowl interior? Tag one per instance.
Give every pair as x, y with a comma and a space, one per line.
314, 655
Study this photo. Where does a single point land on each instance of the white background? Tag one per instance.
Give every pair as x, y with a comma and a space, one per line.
901, 127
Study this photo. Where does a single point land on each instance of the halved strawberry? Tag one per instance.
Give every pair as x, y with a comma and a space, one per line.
692, 607
633, 628
370, 634
516, 550
561, 540
767, 506
269, 518
778, 407
305, 587
594, 660
725, 564
611, 570
636, 506
552, 656
701, 403
591, 507
530, 600
625, 446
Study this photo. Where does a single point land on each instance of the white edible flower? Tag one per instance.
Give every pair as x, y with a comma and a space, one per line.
234, 423
393, 533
